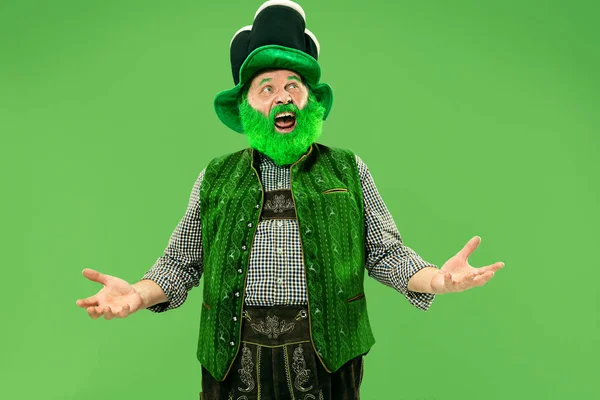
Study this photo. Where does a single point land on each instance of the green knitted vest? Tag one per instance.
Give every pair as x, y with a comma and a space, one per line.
329, 206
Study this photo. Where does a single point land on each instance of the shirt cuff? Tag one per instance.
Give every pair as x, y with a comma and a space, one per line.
407, 267
176, 294
420, 300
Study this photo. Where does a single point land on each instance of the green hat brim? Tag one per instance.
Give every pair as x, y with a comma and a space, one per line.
267, 57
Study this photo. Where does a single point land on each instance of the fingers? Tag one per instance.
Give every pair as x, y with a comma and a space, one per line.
125, 311
466, 282
95, 276
95, 312
495, 267
469, 247
448, 283
89, 302
108, 313
478, 277
482, 279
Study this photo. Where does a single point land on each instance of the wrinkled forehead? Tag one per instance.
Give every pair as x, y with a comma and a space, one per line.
275, 74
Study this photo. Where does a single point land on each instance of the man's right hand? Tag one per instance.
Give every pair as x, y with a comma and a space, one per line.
117, 299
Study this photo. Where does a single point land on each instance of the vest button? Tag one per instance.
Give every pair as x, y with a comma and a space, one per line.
250, 225
237, 294
257, 206
231, 344
240, 271
244, 247
234, 319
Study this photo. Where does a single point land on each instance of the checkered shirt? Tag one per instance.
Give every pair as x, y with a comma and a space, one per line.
275, 270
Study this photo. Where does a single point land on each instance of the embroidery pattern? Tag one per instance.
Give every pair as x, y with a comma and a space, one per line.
273, 328
279, 204
258, 371
302, 373
246, 370
287, 371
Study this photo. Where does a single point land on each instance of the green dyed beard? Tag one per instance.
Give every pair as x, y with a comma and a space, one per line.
283, 148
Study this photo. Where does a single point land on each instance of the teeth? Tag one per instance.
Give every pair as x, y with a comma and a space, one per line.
285, 114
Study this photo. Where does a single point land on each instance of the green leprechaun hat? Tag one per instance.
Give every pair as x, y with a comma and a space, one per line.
278, 38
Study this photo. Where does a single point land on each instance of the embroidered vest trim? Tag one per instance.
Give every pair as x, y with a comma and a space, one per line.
327, 197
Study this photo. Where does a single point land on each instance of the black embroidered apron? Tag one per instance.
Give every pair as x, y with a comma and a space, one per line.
276, 361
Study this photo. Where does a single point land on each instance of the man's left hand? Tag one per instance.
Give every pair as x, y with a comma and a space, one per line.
456, 275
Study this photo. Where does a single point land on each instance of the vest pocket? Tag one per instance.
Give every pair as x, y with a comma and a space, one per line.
354, 298
336, 190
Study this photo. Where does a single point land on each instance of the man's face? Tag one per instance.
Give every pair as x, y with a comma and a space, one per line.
279, 115
273, 88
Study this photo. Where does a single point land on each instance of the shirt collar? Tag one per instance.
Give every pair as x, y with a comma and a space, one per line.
264, 159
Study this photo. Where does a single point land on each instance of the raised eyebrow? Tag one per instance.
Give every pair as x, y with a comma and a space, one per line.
263, 81
294, 78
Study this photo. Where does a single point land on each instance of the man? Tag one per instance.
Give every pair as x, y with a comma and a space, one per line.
282, 233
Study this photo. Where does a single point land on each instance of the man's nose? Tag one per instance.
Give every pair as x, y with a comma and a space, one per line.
284, 98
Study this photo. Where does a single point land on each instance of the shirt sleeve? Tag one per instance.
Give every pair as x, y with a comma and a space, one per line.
388, 260
180, 267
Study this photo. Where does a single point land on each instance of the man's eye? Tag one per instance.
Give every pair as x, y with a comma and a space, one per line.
267, 89
293, 86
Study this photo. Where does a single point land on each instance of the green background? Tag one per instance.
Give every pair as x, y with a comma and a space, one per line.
474, 117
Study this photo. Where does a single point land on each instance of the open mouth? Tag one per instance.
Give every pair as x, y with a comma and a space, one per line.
285, 122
